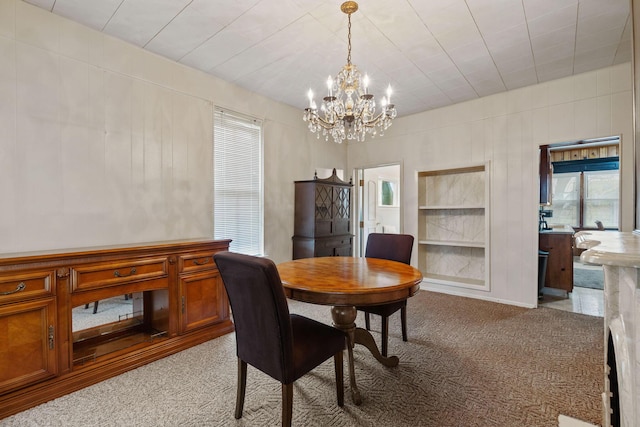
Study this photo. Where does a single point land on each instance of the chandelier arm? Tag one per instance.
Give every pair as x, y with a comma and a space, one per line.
374, 121
322, 122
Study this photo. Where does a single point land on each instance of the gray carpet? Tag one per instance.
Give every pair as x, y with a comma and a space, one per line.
467, 363
588, 276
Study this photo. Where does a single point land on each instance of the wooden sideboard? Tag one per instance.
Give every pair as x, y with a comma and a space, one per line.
178, 301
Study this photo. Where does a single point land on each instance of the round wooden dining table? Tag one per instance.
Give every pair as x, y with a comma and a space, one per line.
347, 282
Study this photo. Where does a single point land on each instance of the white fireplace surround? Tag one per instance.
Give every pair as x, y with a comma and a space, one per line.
619, 254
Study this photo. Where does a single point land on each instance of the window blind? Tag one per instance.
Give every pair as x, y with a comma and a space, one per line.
238, 189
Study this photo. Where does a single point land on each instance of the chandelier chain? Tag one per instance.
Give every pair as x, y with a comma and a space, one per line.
349, 41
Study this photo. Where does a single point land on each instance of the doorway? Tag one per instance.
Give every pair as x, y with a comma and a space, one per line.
378, 203
584, 188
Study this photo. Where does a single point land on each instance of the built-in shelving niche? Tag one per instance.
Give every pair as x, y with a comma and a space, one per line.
453, 226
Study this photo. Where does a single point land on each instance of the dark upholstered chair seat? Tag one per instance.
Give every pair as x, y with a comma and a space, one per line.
394, 247
385, 309
282, 345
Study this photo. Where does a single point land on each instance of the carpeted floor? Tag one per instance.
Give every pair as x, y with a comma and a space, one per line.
467, 363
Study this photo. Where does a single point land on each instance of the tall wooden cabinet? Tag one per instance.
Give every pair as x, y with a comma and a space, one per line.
177, 300
322, 223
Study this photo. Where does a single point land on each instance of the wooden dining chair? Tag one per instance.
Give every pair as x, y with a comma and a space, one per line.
282, 345
394, 247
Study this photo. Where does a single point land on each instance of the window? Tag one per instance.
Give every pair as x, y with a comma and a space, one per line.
586, 191
238, 190
566, 198
601, 193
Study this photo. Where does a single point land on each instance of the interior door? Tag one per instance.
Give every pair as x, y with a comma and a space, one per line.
373, 217
369, 213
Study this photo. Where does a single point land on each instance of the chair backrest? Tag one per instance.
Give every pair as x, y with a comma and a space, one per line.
394, 247
260, 313
599, 225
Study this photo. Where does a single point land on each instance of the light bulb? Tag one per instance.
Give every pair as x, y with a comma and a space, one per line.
310, 95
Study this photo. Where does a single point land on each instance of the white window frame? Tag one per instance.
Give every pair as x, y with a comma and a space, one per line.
239, 214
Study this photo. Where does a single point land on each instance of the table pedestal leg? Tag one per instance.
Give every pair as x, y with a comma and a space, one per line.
364, 337
344, 319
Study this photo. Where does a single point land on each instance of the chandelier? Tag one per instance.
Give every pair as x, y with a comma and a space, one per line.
349, 110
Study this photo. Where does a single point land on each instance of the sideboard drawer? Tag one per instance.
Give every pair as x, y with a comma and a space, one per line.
23, 286
196, 262
114, 273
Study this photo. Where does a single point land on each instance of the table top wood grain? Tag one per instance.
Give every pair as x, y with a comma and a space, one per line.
348, 281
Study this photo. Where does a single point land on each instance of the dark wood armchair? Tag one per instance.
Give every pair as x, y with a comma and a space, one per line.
395, 247
284, 346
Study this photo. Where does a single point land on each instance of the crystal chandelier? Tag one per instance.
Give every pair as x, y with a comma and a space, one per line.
349, 110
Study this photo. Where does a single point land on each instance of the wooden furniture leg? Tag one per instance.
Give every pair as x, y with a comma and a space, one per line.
344, 319
242, 387
287, 404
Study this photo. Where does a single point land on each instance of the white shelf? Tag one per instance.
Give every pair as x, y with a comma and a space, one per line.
453, 280
453, 226
461, 243
451, 207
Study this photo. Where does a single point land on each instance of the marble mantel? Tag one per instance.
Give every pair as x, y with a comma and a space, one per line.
619, 254
610, 248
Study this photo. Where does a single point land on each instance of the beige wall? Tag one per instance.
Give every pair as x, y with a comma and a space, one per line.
104, 143
506, 129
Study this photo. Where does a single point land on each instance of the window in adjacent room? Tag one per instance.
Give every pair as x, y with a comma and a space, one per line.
238, 176
586, 191
566, 198
601, 197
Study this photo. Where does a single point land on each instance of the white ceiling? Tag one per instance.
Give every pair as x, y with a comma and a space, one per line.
432, 52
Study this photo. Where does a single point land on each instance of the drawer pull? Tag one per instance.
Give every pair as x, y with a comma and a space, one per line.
21, 287
118, 274
203, 262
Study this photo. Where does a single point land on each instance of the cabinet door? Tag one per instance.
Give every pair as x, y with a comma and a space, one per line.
27, 343
203, 299
324, 210
341, 210
546, 171
560, 261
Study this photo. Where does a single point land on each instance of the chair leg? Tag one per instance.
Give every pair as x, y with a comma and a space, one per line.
242, 386
95, 307
287, 404
403, 320
337, 361
385, 334
367, 323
